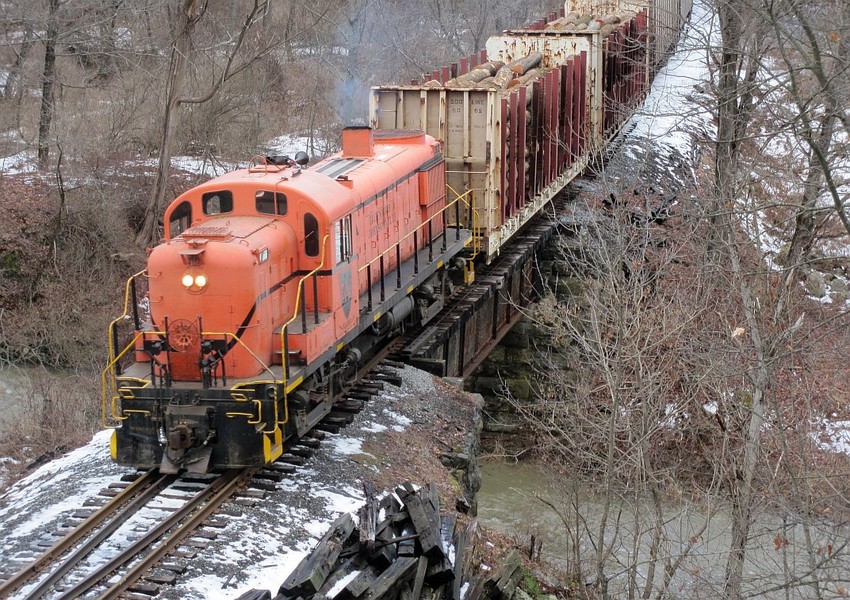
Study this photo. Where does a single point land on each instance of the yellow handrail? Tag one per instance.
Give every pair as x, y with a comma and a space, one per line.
112, 387
459, 198
476, 218
297, 307
226, 334
115, 322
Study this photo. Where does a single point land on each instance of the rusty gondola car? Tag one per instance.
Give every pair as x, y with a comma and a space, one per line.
275, 282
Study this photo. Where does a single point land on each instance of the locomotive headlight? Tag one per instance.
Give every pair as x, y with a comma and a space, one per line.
194, 281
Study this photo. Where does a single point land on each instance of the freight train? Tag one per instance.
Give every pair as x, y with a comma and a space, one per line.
275, 283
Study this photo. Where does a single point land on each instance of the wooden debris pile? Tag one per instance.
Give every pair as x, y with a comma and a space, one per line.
401, 548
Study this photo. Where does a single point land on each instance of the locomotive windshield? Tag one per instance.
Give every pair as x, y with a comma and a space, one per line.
271, 203
181, 219
216, 203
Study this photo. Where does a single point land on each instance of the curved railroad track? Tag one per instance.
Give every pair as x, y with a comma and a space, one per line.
61, 571
66, 558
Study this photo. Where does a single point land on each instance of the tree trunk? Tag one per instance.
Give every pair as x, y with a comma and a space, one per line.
12, 87
804, 226
179, 60
727, 105
742, 474
47, 84
192, 12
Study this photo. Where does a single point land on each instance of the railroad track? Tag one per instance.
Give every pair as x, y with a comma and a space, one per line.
62, 571
96, 528
67, 557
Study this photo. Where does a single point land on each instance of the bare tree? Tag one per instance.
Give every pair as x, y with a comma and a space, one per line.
613, 394
770, 319
192, 11
815, 77
48, 80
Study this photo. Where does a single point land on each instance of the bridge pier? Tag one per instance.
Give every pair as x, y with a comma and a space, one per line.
488, 338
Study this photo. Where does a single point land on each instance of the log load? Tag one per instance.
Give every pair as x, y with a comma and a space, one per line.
476, 75
576, 23
494, 74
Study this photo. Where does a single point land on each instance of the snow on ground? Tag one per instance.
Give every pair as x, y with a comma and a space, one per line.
18, 164
26, 162
669, 116
833, 436
659, 140
258, 548
288, 145
202, 166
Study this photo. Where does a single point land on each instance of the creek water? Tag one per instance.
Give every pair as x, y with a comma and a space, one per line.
12, 381
525, 499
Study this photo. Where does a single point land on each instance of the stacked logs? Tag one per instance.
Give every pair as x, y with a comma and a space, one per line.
576, 23
505, 78
401, 548
497, 75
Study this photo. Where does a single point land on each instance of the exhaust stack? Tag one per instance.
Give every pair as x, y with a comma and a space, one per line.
357, 142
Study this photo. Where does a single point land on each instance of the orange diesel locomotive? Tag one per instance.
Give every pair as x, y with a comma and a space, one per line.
272, 285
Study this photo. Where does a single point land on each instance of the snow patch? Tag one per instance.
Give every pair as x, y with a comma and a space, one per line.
669, 116
20, 163
346, 445
343, 500
374, 428
202, 166
287, 144
340, 585
833, 436
402, 422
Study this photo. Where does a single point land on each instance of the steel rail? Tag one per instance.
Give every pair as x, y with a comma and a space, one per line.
130, 498
219, 491
208, 499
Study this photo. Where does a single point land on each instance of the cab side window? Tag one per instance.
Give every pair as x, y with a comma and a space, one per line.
342, 234
271, 203
181, 219
216, 203
311, 235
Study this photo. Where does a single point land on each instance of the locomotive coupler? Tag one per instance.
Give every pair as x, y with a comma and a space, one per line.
188, 437
180, 437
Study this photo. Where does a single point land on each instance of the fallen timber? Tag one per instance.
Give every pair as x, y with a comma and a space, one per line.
403, 547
